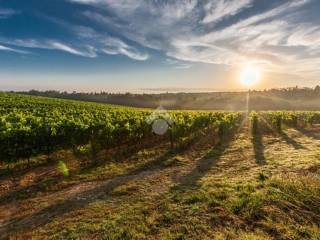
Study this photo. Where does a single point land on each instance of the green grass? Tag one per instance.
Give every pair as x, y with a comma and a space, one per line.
280, 208
229, 195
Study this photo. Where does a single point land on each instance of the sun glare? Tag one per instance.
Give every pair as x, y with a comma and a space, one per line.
250, 75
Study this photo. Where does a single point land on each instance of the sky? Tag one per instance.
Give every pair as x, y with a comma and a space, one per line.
131, 45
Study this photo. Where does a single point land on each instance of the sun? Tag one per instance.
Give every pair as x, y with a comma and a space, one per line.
250, 75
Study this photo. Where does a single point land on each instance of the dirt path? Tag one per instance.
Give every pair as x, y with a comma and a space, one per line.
238, 159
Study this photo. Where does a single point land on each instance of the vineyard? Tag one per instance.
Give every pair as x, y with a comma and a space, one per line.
274, 121
30, 126
111, 172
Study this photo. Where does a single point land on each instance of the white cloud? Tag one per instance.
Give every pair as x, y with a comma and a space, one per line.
272, 39
219, 9
139, 12
305, 35
266, 38
116, 46
8, 49
7, 12
110, 45
90, 52
86, 51
98, 43
178, 64
86, 1
276, 37
171, 9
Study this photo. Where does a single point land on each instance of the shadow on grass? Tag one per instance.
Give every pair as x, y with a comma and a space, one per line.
291, 141
82, 199
309, 133
22, 167
119, 152
79, 200
258, 147
204, 165
118, 155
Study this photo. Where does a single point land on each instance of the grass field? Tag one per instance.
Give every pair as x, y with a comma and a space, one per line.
261, 187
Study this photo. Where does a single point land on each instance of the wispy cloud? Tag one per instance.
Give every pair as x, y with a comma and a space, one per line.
265, 38
8, 49
109, 45
276, 36
219, 9
90, 51
86, 42
7, 12
178, 64
114, 46
86, 51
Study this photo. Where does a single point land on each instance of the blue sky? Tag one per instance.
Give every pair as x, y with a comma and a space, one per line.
118, 45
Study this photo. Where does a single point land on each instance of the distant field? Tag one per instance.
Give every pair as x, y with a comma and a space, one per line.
78, 170
272, 99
